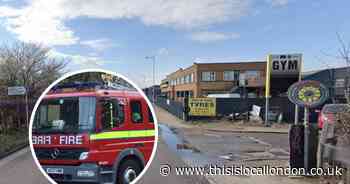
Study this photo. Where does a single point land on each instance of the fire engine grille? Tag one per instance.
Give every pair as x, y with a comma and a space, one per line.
58, 153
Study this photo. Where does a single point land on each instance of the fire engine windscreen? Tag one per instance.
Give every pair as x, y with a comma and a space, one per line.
65, 115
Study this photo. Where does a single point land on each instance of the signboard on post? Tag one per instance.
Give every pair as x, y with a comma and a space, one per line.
16, 90
308, 94
282, 66
282, 70
202, 106
286, 64
20, 91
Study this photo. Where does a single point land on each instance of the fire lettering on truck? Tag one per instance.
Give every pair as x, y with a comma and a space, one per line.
41, 139
71, 139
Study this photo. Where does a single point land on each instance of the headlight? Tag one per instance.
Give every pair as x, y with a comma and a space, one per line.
84, 155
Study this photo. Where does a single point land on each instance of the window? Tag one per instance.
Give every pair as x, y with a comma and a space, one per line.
186, 93
150, 116
208, 76
112, 114
252, 74
65, 115
187, 79
136, 111
340, 83
231, 75
190, 94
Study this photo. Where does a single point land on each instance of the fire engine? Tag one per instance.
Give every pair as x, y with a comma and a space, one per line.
93, 133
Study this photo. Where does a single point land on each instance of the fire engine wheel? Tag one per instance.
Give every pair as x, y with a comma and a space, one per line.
128, 171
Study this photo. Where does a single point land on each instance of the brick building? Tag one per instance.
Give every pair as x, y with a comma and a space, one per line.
202, 79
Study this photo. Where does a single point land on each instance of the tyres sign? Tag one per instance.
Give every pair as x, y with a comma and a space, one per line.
202, 106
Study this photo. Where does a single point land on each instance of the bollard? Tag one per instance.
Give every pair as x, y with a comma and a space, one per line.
312, 136
296, 144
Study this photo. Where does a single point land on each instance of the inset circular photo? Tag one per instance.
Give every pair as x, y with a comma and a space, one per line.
93, 126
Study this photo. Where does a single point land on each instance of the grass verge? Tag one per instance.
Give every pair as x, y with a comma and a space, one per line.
12, 141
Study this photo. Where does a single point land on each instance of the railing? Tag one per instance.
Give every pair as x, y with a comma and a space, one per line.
174, 107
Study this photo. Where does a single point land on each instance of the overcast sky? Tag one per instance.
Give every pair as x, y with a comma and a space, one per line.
118, 34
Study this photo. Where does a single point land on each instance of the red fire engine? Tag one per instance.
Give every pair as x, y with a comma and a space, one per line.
87, 132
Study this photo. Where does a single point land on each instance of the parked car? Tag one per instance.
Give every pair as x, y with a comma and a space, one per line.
329, 112
334, 147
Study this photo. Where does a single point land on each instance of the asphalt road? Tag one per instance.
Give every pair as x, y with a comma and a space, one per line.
165, 156
20, 168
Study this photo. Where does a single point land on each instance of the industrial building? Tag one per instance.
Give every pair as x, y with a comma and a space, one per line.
335, 79
203, 79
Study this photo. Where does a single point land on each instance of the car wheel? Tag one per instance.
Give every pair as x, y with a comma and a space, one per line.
128, 171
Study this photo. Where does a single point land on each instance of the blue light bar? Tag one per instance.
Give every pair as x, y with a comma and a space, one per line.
78, 85
90, 85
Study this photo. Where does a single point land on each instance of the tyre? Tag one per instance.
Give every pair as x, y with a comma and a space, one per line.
128, 171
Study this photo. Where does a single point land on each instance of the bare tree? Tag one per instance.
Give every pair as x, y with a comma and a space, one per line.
28, 65
344, 54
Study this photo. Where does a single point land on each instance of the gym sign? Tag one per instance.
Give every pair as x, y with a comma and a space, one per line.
285, 64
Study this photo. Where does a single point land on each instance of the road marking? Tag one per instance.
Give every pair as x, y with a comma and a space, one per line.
259, 141
213, 135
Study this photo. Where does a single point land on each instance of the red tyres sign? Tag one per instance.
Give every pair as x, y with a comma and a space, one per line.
58, 139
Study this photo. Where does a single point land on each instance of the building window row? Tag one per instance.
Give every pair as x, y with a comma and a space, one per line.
181, 94
231, 75
187, 79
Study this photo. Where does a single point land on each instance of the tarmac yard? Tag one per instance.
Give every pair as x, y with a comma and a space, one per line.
201, 147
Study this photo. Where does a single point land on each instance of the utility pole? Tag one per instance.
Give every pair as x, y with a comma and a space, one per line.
267, 89
153, 58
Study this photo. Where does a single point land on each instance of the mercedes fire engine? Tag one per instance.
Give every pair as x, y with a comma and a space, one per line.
92, 133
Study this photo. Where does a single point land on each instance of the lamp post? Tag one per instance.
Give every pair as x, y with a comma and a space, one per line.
153, 58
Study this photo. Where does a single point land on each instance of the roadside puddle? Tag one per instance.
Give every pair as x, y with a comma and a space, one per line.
188, 153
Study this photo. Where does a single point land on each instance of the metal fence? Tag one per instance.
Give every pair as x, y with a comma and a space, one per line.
13, 113
226, 106
174, 107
